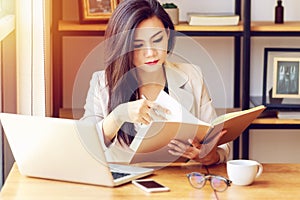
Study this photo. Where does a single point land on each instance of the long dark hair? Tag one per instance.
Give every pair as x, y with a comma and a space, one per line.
119, 37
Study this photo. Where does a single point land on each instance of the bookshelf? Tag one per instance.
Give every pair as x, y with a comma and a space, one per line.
241, 33
74, 28
262, 29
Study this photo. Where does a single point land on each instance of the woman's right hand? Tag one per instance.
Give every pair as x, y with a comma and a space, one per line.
140, 111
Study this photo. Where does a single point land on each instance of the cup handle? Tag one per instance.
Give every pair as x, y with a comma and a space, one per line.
260, 170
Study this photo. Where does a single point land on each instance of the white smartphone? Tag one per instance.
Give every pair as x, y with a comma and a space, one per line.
150, 185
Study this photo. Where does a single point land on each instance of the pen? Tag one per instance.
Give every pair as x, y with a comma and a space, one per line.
155, 110
143, 97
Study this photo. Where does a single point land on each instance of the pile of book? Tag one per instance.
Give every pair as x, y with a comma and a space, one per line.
212, 19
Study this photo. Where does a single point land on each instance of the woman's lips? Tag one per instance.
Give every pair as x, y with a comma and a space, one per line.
152, 62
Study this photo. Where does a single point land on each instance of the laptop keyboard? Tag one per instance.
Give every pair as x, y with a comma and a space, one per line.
119, 174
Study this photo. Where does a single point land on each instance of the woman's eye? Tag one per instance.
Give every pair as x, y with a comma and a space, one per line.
158, 40
137, 46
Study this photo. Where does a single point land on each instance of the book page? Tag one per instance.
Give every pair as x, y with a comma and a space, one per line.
178, 112
151, 141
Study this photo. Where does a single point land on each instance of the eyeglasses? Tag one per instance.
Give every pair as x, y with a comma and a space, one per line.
218, 183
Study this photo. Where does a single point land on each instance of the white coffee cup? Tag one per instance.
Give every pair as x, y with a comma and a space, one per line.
243, 172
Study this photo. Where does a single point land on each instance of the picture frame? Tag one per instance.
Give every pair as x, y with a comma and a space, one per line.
96, 11
281, 78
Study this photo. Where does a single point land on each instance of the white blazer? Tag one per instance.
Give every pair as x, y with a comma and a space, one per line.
185, 84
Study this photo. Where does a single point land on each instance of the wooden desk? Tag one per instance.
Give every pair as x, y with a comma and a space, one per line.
278, 181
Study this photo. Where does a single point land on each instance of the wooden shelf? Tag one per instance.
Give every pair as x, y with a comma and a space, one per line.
275, 121
268, 26
183, 26
76, 26
70, 113
263, 26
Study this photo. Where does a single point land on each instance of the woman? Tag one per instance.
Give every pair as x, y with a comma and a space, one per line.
139, 37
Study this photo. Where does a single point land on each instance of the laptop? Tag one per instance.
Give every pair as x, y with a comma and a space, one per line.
63, 149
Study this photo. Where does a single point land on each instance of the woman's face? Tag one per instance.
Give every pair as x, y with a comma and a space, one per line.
150, 44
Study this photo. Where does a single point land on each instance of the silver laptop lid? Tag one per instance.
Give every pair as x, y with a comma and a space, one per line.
54, 148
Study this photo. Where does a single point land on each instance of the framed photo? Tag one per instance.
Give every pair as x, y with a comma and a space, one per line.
281, 80
96, 11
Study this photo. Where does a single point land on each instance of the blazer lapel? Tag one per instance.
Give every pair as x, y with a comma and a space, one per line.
178, 87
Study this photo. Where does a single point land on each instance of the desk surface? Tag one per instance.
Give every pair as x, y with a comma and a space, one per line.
278, 181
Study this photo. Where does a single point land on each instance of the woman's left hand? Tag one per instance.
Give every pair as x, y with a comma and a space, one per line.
204, 153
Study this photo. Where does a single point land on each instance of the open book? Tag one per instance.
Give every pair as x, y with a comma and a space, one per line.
151, 142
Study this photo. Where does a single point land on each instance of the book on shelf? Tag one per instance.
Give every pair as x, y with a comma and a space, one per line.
212, 19
151, 142
288, 115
